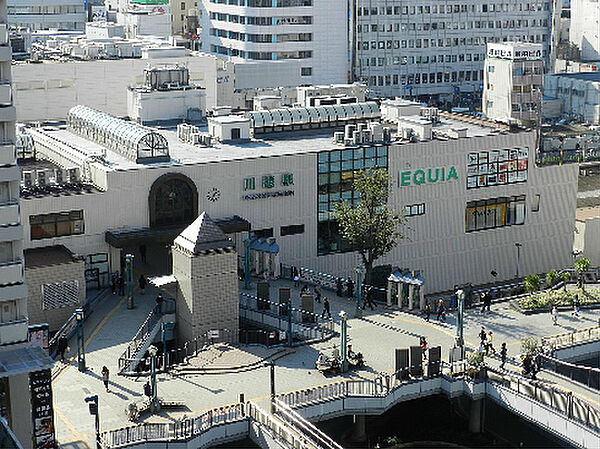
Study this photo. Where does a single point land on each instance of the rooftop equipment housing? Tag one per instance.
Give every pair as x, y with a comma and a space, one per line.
132, 141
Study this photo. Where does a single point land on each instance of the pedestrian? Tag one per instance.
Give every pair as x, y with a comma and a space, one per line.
423, 344
326, 308
296, 277
113, 283
576, 305
159, 301
554, 313
490, 343
304, 290
482, 338
427, 312
142, 284
369, 298
121, 285
503, 353
483, 301
441, 315
487, 302
318, 292
350, 288
147, 389
339, 287
63, 344
105, 375
143, 253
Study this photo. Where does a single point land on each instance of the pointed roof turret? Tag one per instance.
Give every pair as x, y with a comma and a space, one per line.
203, 234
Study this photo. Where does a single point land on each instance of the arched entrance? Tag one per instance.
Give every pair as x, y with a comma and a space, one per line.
173, 201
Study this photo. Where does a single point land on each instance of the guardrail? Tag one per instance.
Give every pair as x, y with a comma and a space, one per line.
173, 431
129, 354
579, 373
573, 337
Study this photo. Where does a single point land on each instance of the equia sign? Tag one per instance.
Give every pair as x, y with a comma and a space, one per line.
427, 176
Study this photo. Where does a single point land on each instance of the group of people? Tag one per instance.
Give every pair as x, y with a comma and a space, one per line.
440, 310
117, 284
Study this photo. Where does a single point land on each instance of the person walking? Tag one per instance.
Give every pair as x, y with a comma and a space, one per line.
503, 353
142, 283
339, 287
63, 344
369, 298
482, 338
427, 312
576, 305
143, 253
490, 343
423, 344
318, 292
113, 283
483, 301
105, 375
441, 315
159, 301
554, 313
350, 288
326, 308
121, 285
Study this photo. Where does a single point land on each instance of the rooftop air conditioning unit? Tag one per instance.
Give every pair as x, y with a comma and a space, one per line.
61, 176
338, 137
41, 177
407, 133
74, 175
27, 178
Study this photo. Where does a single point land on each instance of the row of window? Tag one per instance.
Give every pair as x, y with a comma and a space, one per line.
56, 224
268, 21
424, 59
451, 9
263, 38
422, 78
265, 3
495, 213
468, 25
29, 10
414, 209
283, 231
263, 55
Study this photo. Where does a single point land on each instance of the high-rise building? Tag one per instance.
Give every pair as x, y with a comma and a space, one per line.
25, 369
46, 14
585, 28
312, 33
513, 81
434, 50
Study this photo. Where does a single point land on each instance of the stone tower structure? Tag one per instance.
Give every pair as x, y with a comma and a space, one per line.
205, 266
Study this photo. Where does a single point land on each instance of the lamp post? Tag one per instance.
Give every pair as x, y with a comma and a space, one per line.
358, 311
92, 402
460, 295
290, 329
152, 350
271, 366
344, 340
129, 280
163, 328
518, 246
247, 263
80, 340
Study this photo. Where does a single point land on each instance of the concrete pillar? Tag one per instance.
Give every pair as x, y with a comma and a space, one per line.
422, 297
20, 408
411, 289
389, 294
476, 416
276, 266
359, 428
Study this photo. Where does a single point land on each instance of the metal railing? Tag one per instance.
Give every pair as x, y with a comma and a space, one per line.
585, 375
572, 338
130, 353
173, 431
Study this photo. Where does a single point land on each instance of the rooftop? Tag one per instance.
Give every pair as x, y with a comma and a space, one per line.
46, 256
581, 76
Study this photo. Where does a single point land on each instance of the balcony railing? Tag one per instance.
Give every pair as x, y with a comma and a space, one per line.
9, 213
8, 153
11, 272
4, 34
14, 331
5, 93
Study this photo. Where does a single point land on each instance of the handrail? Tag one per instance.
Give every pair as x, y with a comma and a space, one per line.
554, 341
140, 336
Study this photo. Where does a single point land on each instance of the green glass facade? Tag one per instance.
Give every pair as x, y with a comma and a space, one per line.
335, 175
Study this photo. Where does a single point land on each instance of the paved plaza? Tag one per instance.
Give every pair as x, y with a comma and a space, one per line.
239, 369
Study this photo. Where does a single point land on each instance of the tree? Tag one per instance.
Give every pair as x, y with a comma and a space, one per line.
370, 226
551, 278
532, 283
581, 265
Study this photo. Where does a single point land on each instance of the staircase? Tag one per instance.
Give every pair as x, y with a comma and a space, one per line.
139, 344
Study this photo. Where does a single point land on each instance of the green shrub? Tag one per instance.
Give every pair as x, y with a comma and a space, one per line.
551, 278
549, 298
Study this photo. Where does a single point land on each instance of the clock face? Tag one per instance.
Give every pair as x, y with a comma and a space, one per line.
213, 195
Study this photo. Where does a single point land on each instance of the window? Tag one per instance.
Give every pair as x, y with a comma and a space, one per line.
535, 204
263, 233
56, 225
414, 209
495, 213
306, 71
497, 167
291, 230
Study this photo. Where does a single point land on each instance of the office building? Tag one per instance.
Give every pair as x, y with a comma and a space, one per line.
184, 17
25, 383
577, 95
435, 52
47, 14
513, 81
584, 29
309, 34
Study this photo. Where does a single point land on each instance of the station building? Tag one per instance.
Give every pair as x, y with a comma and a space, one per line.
470, 189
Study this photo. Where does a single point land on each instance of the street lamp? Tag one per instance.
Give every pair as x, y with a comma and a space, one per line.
271, 365
344, 339
152, 350
460, 294
358, 311
129, 279
518, 246
80, 340
93, 405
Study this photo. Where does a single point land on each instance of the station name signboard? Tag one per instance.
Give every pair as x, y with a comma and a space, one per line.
427, 176
514, 51
266, 184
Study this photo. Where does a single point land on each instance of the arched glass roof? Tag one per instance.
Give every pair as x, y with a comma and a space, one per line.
135, 142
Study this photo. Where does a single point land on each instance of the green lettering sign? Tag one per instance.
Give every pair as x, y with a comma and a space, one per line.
405, 178
427, 176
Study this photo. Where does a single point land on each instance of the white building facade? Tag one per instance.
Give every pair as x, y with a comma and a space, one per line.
430, 49
311, 33
46, 14
469, 193
578, 94
513, 80
585, 28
